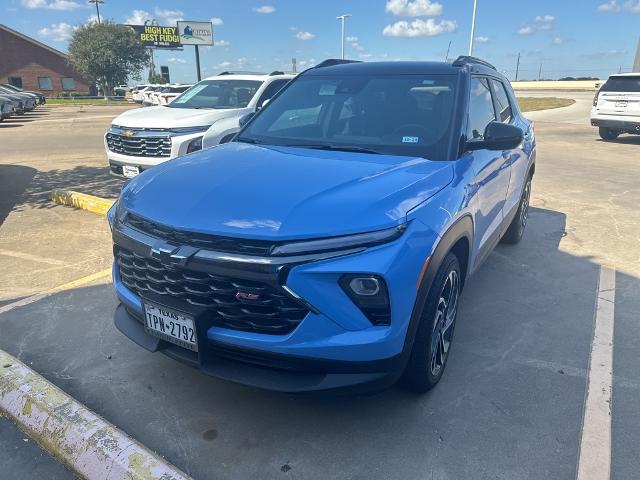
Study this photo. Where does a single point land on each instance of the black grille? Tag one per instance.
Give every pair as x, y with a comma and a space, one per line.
264, 308
211, 242
155, 146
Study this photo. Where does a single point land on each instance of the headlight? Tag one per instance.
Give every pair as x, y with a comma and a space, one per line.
111, 214
195, 145
344, 242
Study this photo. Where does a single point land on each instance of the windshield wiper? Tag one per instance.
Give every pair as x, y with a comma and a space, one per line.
342, 148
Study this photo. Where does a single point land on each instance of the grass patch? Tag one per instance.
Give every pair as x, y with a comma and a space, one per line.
84, 101
532, 104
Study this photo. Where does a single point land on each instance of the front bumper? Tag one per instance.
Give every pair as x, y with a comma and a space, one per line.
335, 347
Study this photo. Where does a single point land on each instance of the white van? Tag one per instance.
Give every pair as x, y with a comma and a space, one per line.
616, 106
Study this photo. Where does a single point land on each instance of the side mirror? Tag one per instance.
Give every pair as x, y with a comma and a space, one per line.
498, 136
245, 118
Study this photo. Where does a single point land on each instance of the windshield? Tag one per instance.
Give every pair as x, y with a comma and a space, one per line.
392, 114
218, 94
622, 84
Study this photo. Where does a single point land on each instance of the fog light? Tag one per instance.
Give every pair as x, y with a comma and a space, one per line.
366, 286
369, 293
195, 145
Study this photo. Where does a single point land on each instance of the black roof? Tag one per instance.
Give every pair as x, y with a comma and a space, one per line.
470, 64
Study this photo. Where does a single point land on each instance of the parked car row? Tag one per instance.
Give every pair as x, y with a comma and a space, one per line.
203, 115
157, 94
15, 101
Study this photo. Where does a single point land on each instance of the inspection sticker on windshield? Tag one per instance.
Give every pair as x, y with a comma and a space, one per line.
410, 139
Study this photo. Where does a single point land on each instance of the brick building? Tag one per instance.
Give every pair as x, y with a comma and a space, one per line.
29, 64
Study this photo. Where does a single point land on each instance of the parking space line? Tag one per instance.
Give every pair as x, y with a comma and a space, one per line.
67, 286
594, 461
33, 258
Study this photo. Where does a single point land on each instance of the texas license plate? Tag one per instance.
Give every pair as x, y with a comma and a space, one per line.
169, 325
130, 171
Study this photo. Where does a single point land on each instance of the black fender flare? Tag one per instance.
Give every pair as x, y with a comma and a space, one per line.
463, 228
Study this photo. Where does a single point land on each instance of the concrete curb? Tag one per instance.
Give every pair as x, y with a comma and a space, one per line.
81, 200
86, 443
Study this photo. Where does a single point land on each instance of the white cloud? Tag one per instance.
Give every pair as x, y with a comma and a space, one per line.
351, 39
305, 35
632, 6
57, 32
482, 39
52, 4
138, 17
415, 8
221, 43
169, 16
92, 19
264, 9
558, 41
357, 46
545, 22
225, 64
364, 56
609, 7
176, 60
546, 18
216, 21
419, 28
526, 30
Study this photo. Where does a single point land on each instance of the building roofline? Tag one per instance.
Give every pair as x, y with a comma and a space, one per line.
33, 41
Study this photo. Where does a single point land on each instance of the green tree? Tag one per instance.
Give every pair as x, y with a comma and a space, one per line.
107, 53
156, 78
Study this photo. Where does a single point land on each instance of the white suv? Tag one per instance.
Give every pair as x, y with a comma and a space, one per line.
616, 107
205, 115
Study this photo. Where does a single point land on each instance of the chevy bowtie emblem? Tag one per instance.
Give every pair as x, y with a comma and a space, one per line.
247, 296
128, 133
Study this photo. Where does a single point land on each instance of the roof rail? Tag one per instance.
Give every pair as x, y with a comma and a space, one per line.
330, 62
466, 60
276, 72
240, 72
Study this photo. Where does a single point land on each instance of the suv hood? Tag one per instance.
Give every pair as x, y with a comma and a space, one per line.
167, 117
268, 192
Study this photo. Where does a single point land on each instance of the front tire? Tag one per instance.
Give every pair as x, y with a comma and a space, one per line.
432, 344
608, 134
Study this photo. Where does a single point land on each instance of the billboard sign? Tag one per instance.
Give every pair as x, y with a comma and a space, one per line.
195, 33
157, 36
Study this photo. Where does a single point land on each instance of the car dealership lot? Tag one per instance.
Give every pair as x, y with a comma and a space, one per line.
509, 406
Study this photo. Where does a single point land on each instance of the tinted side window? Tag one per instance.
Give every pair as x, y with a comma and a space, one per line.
273, 88
481, 111
502, 99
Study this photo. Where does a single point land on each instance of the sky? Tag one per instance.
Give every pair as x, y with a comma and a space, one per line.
555, 37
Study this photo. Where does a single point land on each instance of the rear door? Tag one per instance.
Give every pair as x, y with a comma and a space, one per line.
620, 96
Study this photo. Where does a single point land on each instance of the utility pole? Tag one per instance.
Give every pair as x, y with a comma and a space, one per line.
473, 26
294, 68
518, 67
342, 19
446, 57
97, 3
198, 62
540, 73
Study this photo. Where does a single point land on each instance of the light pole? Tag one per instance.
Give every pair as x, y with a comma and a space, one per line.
473, 26
97, 2
342, 19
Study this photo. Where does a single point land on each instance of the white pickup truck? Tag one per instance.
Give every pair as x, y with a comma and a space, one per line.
203, 116
616, 106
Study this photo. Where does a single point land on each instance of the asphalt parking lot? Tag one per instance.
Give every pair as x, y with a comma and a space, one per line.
510, 405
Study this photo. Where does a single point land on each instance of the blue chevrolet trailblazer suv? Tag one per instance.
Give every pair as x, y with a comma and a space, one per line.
326, 246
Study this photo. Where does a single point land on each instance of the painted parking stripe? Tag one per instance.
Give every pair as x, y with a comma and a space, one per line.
67, 286
32, 258
594, 461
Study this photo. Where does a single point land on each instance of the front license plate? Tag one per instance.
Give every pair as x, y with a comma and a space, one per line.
169, 325
130, 171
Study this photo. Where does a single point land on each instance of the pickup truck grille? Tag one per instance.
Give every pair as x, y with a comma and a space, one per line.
210, 242
139, 146
230, 302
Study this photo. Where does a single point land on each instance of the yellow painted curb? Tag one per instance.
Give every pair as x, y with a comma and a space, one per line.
90, 446
81, 200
